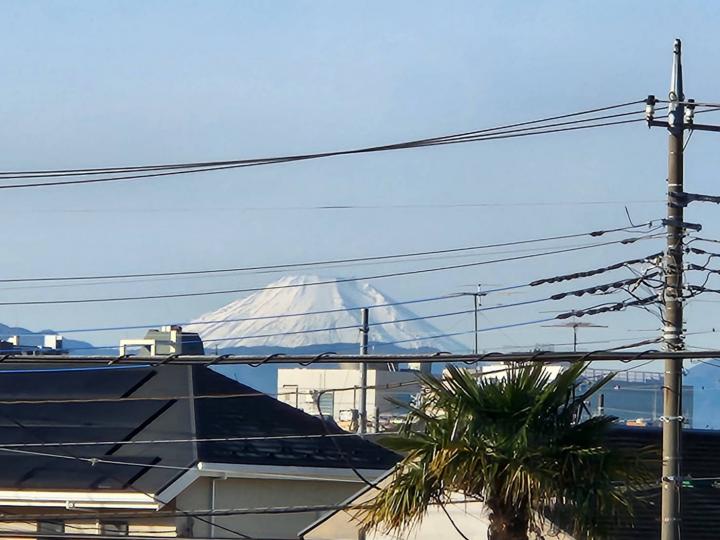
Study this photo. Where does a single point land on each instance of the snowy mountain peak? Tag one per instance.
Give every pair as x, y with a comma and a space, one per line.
289, 311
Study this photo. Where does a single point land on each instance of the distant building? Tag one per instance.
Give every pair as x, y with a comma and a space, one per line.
303, 387
166, 341
51, 344
499, 371
635, 397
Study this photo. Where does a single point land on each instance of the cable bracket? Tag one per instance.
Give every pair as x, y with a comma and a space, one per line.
681, 224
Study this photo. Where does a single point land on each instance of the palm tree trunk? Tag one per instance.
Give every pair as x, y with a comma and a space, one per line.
508, 524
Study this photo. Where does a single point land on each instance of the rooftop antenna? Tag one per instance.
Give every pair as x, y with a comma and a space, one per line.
575, 324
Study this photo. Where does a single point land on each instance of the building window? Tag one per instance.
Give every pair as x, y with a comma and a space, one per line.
114, 528
49, 528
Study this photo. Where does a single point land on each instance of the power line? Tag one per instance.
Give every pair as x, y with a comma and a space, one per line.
378, 323
287, 266
324, 282
613, 307
270, 162
595, 272
12, 534
45, 444
387, 304
329, 207
385, 386
186, 168
131, 281
332, 357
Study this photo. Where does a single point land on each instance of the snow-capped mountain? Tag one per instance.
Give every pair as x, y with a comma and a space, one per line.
265, 318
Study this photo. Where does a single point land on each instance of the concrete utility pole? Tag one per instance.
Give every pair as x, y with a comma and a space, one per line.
673, 309
681, 117
364, 331
476, 303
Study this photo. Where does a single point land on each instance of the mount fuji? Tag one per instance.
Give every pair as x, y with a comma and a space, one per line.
293, 315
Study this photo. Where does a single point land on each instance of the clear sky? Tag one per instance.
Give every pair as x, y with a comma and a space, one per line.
124, 83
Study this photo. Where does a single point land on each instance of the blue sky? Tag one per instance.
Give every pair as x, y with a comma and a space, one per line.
123, 83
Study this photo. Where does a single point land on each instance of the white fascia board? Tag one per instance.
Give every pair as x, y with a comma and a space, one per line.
326, 474
78, 499
273, 472
178, 486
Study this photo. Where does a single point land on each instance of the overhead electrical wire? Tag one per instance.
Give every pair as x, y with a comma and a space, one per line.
188, 168
127, 485
373, 306
62, 172
339, 267
259, 163
338, 310
177, 397
156, 175
24, 445
24, 534
341, 346
323, 282
605, 289
326, 207
287, 266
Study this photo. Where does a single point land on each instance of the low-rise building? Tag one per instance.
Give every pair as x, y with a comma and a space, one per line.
337, 391
635, 397
168, 340
31, 344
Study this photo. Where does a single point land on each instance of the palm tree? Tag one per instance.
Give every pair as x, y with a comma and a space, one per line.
515, 443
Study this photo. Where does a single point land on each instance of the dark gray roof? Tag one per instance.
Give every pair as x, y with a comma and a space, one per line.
700, 500
265, 416
146, 419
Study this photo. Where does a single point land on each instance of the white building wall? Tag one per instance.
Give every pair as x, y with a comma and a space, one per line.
257, 493
470, 517
297, 385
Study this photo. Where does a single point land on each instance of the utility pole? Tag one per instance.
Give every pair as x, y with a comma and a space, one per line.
673, 308
476, 303
364, 330
681, 117
477, 296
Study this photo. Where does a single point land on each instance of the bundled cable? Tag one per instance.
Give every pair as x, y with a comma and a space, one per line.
589, 273
606, 309
521, 129
606, 287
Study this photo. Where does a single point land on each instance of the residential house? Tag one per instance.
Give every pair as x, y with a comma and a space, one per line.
159, 449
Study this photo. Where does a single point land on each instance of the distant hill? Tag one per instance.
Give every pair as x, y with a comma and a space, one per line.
29, 337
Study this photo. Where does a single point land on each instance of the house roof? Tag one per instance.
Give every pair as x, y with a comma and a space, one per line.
700, 499
182, 413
